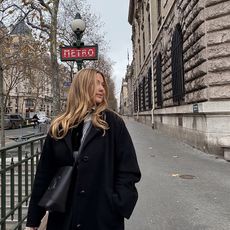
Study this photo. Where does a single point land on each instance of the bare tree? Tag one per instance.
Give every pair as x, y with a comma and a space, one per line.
26, 61
40, 76
43, 16
20, 58
5, 11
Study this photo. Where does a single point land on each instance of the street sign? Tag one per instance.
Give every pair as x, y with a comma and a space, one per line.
195, 108
70, 53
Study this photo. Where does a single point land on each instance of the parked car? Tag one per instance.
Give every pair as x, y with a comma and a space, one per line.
13, 121
6, 122
44, 119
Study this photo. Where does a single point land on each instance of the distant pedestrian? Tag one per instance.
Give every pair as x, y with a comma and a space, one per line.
35, 120
102, 191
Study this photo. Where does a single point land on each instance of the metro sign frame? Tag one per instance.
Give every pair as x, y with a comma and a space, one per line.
73, 53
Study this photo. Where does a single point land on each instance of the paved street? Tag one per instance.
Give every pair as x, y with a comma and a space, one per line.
181, 188
166, 200
18, 132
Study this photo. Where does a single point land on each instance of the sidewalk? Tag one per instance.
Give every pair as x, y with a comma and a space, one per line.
181, 188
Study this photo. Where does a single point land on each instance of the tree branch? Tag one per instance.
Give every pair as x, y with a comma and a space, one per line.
37, 27
45, 5
42, 23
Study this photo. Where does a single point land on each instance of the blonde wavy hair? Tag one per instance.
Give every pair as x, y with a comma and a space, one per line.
80, 102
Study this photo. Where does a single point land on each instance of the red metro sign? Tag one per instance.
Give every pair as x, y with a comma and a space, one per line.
69, 53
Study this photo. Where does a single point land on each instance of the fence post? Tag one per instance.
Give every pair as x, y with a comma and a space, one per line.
3, 188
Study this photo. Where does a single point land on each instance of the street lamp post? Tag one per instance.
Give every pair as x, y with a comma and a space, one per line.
78, 51
78, 26
17, 99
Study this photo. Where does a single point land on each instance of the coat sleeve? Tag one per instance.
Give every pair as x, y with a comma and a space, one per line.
127, 173
44, 174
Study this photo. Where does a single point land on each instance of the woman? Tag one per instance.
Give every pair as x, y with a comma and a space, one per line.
103, 189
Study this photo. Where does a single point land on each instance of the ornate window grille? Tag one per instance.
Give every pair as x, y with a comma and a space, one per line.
140, 97
150, 88
159, 80
135, 101
177, 66
159, 16
143, 94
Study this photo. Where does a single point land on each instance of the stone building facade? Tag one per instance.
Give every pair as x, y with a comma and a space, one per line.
182, 53
22, 96
126, 96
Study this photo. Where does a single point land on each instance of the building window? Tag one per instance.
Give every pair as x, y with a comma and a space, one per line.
159, 13
142, 11
159, 80
143, 94
147, 83
139, 55
140, 97
149, 28
143, 45
150, 88
135, 101
177, 66
29, 103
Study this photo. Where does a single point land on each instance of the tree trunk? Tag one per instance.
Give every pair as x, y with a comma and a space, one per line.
54, 63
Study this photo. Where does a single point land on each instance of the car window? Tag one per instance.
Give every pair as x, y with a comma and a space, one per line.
20, 117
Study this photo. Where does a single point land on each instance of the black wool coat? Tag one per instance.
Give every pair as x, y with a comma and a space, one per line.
104, 191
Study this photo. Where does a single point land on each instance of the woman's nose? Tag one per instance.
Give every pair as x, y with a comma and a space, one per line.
101, 87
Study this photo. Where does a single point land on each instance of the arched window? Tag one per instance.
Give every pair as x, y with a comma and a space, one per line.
149, 79
139, 55
149, 28
159, 13
143, 94
177, 66
143, 45
159, 80
135, 101
140, 97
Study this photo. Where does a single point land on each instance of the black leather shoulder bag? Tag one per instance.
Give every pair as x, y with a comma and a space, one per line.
55, 197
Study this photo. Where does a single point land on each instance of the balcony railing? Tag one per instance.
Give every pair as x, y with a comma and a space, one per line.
18, 167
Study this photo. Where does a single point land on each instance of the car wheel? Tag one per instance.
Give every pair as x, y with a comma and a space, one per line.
13, 126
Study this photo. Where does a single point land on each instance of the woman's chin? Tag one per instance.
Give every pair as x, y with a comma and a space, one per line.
99, 101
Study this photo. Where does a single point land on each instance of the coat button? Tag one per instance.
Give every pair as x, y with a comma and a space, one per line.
85, 158
78, 226
82, 191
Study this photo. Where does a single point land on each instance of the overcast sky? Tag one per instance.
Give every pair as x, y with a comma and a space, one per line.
114, 14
